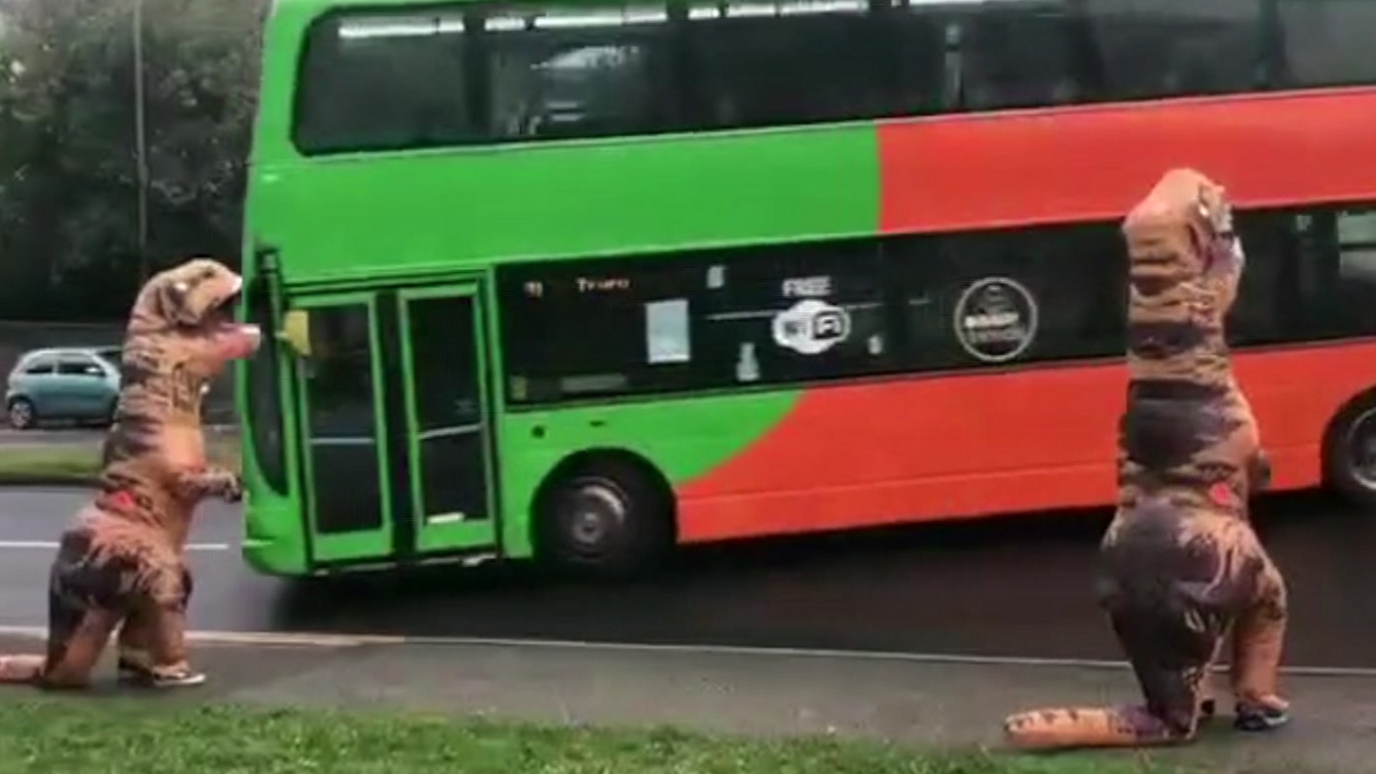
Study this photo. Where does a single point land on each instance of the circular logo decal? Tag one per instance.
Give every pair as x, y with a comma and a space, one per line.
996, 319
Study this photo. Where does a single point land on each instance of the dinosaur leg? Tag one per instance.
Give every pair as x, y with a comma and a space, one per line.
136, 646
172, 669
1172, 673
73, 651
137, 638
1172, 664
86, 600
66, 612
1258, 641
1171, 652
166, 628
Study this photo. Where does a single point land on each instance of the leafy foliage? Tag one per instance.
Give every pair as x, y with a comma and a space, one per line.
69, 226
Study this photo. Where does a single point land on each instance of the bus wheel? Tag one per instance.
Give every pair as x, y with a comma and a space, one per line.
607, 517
1349, 453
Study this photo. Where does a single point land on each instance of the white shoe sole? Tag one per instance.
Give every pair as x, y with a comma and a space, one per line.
153, 681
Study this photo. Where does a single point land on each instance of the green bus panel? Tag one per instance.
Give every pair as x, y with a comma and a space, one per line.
346, 218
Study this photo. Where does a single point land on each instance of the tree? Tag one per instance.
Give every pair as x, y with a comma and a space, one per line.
68, 176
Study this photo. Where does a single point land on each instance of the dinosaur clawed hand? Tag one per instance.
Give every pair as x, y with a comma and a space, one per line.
215, 482
230, 487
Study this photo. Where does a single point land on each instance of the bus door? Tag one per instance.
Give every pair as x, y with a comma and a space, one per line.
449, 467
397, 426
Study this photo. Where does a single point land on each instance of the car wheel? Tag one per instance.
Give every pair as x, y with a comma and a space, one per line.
21, 414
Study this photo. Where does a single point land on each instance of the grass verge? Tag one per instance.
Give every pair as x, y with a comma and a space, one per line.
68, 735
77, 463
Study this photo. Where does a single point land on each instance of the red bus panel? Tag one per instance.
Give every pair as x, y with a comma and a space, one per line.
936, 446
1094, 163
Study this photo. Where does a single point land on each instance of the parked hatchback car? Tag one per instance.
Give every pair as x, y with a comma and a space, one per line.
79, 384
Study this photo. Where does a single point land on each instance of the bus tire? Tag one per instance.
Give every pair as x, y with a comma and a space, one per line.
607, 516
1349, 452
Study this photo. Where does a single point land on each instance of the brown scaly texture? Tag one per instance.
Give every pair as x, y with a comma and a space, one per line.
1182, 570
122, 559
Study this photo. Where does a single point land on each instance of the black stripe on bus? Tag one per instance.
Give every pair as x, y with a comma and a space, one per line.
394, 410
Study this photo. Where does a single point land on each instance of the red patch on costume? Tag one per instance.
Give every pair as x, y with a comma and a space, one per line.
120, 499
1223, 494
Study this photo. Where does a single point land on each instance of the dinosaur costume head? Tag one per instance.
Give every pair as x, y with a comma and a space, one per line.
1184, 264
188, 309
1180, 237
181, 335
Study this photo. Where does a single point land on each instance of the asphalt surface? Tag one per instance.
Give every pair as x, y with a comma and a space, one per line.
1016, 587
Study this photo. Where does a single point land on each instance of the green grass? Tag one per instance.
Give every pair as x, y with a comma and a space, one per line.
113, 735
77, 462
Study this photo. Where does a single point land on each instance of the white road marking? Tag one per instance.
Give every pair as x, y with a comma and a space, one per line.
326, 640
246, 638
856, 655
52, 544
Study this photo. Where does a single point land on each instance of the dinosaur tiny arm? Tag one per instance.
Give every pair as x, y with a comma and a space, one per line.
210, 482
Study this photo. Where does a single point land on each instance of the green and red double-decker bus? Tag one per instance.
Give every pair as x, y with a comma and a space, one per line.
584, 281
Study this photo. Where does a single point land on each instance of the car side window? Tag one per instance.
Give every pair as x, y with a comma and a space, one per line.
79, 367
39, 367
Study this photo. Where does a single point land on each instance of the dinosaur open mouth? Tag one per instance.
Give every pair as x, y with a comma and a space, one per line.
221, 315
232, 340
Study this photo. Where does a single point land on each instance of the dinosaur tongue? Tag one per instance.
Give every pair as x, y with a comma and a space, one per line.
240, 341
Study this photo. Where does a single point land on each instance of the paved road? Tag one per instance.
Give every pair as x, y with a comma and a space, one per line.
1016, 587
227, 594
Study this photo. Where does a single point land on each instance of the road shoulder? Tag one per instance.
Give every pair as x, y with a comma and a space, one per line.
949, 705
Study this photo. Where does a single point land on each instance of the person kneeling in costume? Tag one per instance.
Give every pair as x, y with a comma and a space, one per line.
1182, 571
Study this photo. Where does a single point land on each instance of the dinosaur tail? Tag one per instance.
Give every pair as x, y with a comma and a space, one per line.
21, 669
1066, 727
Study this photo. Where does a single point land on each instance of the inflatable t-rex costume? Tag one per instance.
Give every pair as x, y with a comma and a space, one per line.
1182, 570
122, 560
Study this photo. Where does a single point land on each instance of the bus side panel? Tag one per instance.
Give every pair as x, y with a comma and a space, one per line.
472, 208
682, 439
927, 449
1094, 163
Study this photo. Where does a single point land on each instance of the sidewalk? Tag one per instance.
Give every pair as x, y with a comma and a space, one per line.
949, 705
